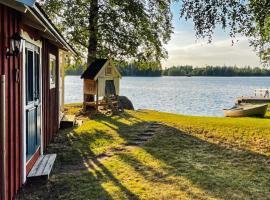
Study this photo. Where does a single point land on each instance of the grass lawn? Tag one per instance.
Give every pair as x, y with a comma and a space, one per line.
186, 158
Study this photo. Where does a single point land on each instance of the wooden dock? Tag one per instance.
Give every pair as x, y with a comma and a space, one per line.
252, 99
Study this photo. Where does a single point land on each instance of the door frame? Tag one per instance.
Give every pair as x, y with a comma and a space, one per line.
37, 43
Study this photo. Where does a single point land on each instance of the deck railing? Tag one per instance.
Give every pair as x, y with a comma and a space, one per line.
262, 92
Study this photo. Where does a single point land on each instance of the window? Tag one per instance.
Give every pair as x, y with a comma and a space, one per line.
32, 74
37, 75
108, 70
52, 70
29, 76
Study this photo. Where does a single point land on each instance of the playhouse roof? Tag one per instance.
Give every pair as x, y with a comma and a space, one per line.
93, 69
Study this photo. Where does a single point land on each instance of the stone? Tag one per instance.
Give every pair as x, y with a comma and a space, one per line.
125, 103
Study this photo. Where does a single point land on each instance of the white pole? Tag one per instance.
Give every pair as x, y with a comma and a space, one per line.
3, 131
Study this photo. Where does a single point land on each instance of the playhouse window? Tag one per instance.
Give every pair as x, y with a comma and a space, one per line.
52, 70
108, 71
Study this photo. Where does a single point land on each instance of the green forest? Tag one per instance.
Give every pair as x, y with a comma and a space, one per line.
74, 69
124, 69
215, 71
134, 70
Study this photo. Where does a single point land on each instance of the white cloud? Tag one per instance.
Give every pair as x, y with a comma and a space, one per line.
183, 49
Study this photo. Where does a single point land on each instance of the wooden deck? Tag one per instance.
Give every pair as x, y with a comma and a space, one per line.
42, 168
100, 103
253, 99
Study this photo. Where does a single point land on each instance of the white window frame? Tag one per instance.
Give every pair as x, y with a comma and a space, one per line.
52, 84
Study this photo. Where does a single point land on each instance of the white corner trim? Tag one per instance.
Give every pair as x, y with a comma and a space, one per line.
23, 138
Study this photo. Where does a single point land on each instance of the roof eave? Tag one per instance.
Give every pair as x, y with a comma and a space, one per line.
41, 17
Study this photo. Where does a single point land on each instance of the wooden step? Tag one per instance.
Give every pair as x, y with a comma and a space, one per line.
68, 121
42, 168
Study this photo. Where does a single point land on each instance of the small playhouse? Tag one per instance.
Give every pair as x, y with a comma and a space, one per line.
101, 85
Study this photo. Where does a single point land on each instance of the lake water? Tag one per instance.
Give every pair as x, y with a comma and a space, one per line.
201, 96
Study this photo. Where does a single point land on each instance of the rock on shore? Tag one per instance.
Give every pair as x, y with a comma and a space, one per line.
125, 103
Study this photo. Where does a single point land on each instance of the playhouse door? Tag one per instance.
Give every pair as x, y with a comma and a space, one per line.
33, 106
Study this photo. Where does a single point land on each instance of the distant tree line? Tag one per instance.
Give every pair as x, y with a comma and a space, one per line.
187, 70
77, 69
138, 70
124, 68
215, 71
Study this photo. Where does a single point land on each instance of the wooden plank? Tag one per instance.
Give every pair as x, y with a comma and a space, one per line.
3, 132
100, 103
43, 167
18, 70
69, 118
49, 166
68, 121
50, 96
89, 87
35, 167
9, 24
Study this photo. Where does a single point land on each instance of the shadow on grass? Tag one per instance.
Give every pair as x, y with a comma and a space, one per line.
73, 176
221, 171
91, 161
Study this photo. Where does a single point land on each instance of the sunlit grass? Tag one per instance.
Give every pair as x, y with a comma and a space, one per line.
173, 167
188, 158
248, 133
73, 109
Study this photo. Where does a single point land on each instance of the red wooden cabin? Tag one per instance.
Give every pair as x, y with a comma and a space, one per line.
31, 54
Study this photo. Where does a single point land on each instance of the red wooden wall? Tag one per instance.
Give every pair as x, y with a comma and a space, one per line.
9, 24
50, 98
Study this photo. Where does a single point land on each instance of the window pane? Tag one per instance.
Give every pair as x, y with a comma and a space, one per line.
37, 81
52, 71
29, 77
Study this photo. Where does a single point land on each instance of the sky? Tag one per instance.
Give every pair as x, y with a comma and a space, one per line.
184, 49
